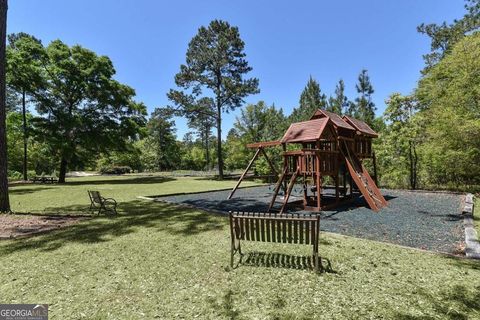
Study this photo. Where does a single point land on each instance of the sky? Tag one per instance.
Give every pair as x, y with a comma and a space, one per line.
286, 42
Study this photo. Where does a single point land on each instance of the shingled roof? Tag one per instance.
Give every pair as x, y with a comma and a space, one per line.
361, 126
336, 119
305, 131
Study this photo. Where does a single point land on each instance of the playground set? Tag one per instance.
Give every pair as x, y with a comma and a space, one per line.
327, 145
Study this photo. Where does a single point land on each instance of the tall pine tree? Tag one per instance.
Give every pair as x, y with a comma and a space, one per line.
363, 108
339, 101
216, 62
311, 99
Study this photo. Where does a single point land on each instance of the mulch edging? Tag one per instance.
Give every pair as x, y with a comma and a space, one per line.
472, 245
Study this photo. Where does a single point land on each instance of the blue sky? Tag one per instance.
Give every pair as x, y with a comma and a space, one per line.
286, 41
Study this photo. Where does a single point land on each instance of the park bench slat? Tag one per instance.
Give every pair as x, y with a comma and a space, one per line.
267, 227
307, 230
295, 231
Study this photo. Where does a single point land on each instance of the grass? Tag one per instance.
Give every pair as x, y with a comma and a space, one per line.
72, 197
476, 215
160, 261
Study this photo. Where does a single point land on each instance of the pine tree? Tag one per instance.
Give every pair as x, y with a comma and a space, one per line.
215, 61
337, 103
311, 100
363, 108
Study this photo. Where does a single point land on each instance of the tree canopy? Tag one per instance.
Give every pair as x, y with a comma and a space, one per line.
215, 61
82, 109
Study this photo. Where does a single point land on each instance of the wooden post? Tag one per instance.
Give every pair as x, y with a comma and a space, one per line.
374, 160
318, 183
285, 164
244, 173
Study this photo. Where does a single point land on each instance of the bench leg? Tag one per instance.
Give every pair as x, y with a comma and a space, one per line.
316, 262
234, 249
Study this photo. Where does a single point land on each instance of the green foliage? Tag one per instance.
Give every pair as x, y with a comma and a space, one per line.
257, 122
445, 36
450, 95
161, 130
397, 148
311, 99
82, 109
215, 61
339, 102
363, 108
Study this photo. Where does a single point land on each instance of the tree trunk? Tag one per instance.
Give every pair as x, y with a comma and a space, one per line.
63, 170
4, 199
219, 142
207, 152
412, 155
25, 137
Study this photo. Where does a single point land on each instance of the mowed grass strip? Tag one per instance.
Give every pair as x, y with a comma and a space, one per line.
72, 197
160, 261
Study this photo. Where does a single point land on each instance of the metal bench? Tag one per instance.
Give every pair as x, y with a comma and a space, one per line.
97, 202
278, 228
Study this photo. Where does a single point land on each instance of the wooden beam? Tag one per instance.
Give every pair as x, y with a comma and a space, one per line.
263, 144
277, 188
244, 173
289, 189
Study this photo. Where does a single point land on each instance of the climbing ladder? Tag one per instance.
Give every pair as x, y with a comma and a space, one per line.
362, 179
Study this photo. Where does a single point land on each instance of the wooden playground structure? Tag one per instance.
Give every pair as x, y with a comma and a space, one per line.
327, 145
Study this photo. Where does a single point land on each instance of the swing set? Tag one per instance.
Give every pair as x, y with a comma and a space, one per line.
320, 149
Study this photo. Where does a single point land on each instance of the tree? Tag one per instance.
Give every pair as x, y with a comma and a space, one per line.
4, 199
82, 109
403, 132
24, 55
363, 108
161, 128
257, 122
340, 101
203, 121
215, 60
445, 36
450, 108
311, 99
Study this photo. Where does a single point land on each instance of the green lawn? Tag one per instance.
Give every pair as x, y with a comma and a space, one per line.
159, 261
476, 214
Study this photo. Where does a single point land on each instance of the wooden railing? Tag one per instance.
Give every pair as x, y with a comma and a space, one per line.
310, 161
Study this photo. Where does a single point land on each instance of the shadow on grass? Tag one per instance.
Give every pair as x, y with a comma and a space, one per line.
286, 261
452, 303
124, 180
21, 191
132, 216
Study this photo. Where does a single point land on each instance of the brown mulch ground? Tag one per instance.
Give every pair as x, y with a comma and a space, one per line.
15, 225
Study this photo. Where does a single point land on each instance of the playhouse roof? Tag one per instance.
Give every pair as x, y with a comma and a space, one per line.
336, 119
305, 131
361, 126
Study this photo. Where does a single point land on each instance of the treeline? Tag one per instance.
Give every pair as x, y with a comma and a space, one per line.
67, 112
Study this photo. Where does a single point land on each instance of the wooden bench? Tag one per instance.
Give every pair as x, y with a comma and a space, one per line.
97, 202
272, 227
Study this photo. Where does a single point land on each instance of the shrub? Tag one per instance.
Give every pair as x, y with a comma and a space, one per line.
115, 170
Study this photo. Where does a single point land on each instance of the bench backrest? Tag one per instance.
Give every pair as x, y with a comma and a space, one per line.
95, 196
272, 227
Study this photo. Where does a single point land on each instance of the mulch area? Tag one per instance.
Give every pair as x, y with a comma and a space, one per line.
17, 226
424, 220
